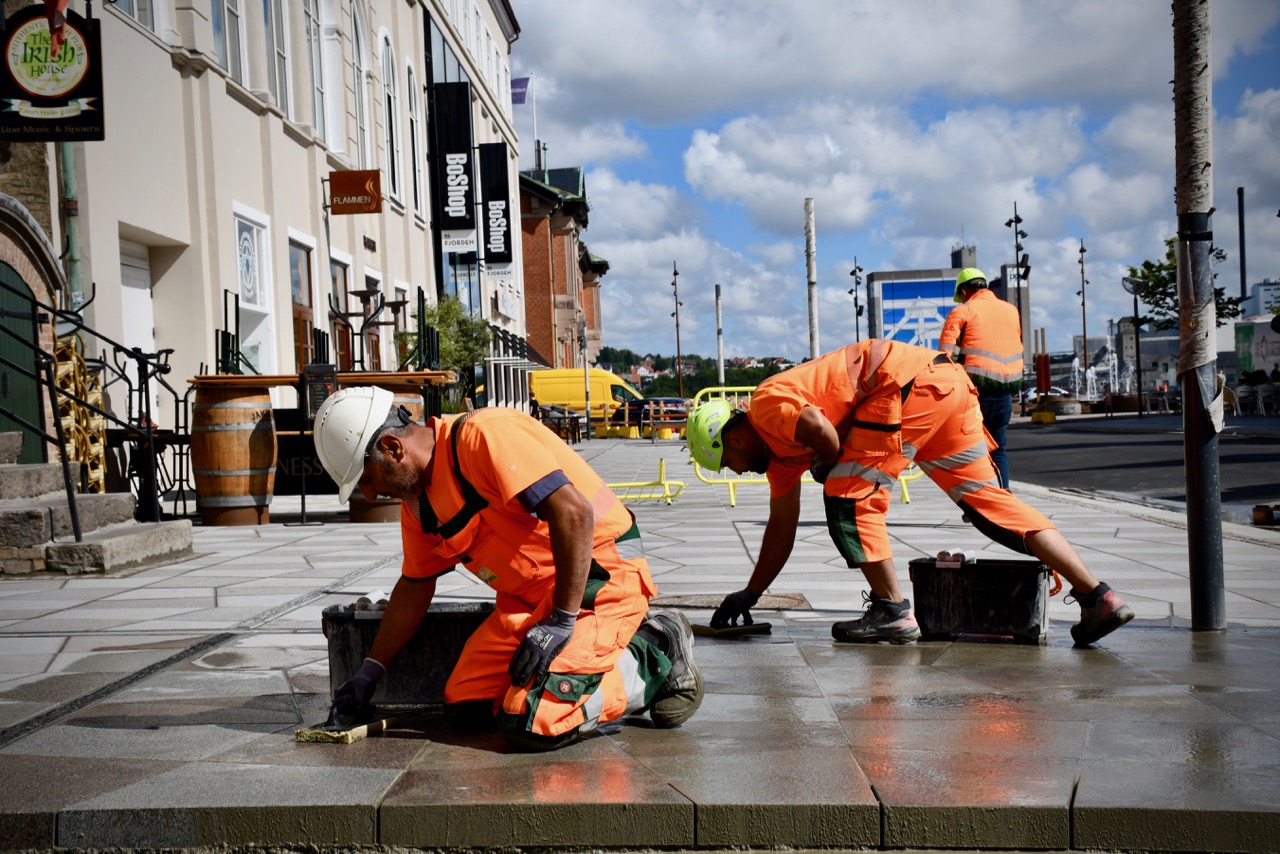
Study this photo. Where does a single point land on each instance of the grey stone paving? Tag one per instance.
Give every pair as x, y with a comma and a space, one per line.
118, 730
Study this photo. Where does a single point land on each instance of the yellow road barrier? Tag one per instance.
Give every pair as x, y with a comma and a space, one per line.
737, 395
650, 490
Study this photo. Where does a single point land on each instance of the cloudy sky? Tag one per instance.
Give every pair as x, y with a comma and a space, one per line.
703, 125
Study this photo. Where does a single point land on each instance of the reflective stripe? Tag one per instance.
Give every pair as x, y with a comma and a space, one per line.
592, 708
909, 451
995, 357
969, 487
950, 348
632, 549
955, 461
992, 375
856, 469
632, 682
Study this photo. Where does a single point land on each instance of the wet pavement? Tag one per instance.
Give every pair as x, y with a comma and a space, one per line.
156, 708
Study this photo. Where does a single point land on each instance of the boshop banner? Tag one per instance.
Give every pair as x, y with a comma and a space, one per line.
455, 168
51, 82
495, 192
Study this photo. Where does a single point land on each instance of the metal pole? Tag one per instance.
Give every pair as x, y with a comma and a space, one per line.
810, 253
1240, 218
857, 311
1084, 322
675, 276
719, 339
1137, 352
1016, 225
1197, 362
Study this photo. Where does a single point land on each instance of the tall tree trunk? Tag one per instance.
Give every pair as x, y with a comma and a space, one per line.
1197, 360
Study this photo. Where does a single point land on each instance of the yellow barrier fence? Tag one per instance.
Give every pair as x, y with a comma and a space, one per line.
650, 490
738, 395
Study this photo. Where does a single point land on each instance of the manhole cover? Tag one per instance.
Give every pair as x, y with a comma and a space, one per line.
711, 601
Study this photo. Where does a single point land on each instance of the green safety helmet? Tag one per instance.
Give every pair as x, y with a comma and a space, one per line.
705, 433
971, 276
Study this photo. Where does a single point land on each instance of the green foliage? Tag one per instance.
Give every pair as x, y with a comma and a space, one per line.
464, 340
1160, 291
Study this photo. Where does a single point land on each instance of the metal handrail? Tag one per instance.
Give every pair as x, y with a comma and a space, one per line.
150, 367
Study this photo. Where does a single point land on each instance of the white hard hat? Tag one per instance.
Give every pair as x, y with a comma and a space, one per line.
345, 425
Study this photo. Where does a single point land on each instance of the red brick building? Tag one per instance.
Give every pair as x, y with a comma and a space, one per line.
561, 278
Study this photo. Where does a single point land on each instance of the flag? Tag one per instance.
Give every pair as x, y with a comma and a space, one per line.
519, 89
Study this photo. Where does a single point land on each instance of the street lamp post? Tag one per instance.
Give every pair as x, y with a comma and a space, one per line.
856, 272
675, 276
1084, 319
1019, 261
1134, 286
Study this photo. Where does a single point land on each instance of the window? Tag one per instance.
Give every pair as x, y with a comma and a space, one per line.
228, 36
253, 275
359, 70
139, 10
391, 111
341, 328
415, 131
315, 64
273, 13
303, 314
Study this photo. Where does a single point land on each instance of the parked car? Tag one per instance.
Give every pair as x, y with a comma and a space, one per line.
565, 422
1030, 394
651, 409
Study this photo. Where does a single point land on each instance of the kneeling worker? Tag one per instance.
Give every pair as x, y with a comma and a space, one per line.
857, 417
570, 644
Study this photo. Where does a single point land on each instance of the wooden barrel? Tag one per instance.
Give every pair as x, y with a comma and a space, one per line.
233, 454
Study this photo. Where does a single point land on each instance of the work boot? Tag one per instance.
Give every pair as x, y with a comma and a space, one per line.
681, 694
1101, 613
883, 620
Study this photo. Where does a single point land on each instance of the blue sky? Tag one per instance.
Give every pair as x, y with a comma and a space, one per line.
704, 124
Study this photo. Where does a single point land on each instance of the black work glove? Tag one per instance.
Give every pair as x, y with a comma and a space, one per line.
820, 468
352, 699
735, 605
540, 646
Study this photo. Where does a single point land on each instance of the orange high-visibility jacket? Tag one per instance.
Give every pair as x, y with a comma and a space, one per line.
858, 388
984, 335
502, 452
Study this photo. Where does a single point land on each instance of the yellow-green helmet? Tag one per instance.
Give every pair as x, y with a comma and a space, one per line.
971, 276
705, 433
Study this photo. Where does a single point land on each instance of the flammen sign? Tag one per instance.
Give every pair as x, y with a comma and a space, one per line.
355, 191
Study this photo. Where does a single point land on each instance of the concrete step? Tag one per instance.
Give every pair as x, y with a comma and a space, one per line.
120, 547
32, 521
34, 480
10, 447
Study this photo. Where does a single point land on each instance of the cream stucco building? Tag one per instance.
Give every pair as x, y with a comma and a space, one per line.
204, 209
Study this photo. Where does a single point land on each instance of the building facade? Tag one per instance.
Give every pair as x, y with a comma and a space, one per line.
204, 214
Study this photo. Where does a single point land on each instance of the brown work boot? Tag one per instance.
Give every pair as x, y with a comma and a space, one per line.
1099, 619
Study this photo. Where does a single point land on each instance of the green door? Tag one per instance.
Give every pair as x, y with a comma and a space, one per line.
19, 393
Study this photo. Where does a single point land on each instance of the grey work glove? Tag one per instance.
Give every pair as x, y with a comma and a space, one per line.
820, 468
735, 605
352, 698
540, 646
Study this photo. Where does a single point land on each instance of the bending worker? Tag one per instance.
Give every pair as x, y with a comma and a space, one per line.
568, 645
856, 418
985, 335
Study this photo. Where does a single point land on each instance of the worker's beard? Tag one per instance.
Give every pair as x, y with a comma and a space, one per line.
401, 479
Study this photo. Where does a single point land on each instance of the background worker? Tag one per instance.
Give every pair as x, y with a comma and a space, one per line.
985, 335
569, 644
856, 418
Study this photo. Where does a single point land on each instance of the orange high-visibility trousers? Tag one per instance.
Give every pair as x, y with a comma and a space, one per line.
942, 433
590, 681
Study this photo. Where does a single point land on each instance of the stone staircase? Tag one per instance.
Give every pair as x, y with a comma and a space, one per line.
36, 534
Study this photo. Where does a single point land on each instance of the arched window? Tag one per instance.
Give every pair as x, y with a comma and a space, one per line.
359, 95
390, 116
278, 54
315, 65
413, 93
